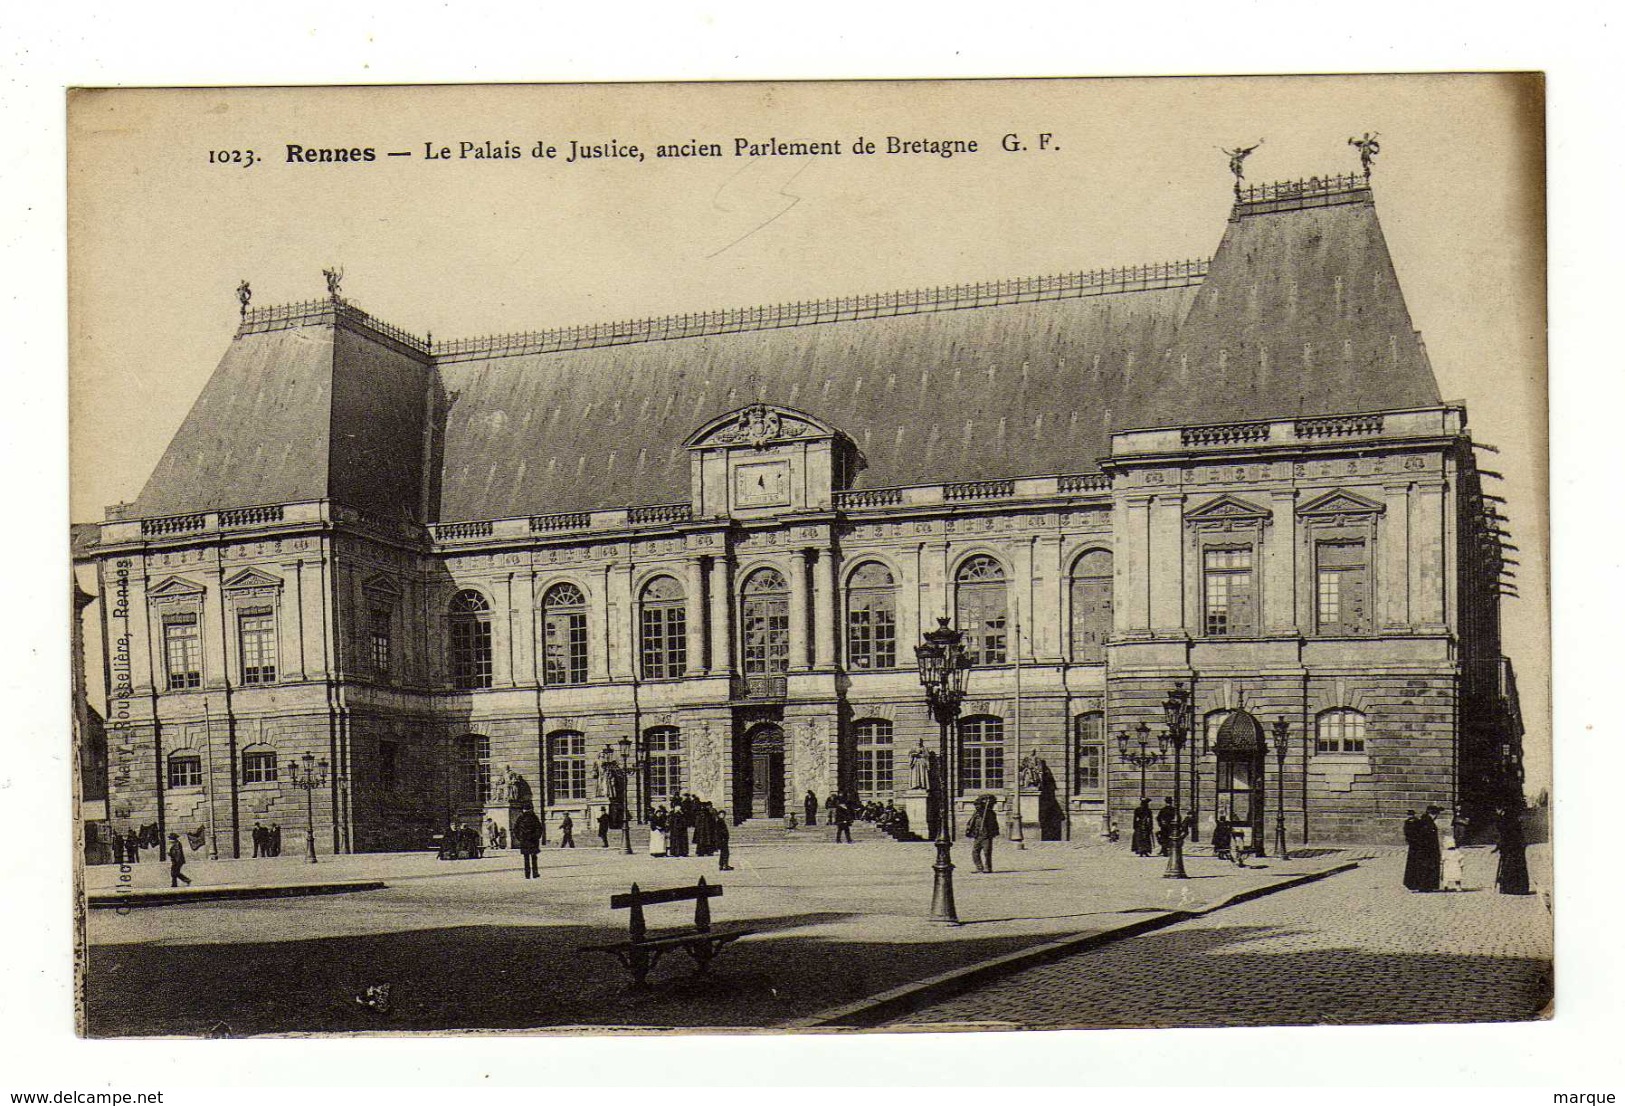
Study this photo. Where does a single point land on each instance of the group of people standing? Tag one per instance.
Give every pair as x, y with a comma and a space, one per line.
127, 845
689, 823
267, 839
1433, 853
1161, 825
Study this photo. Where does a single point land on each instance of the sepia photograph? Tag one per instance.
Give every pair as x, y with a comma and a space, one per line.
810, 557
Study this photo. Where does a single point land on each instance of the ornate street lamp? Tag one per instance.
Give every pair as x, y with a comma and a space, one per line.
944, 665
1176, 710
1281, 738
1146, 757
626, 794
307, 773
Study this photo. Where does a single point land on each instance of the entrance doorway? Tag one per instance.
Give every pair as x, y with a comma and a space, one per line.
765, 745
1239, 787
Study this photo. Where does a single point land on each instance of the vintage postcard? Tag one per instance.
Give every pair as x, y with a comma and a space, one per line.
810, 556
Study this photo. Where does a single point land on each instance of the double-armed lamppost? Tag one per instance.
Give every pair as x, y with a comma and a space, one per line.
944, 664
628, 763
1281, 738
307, 773
1176, 712
1146, 756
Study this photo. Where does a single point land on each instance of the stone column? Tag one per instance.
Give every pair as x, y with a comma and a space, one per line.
797, 572
824, 585
694, 598
722, 634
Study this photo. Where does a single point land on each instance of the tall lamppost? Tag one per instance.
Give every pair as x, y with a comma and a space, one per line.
307, 773
944, 665
1176, 709
1281, 738
627, 764
1146, 757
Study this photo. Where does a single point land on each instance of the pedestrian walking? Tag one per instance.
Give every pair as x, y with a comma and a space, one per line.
809, 807
1144, 821
1512, 867
1221, 837
567, 832
1421, 851
118, 847
982, 828
1450, 872
527, 838
132, 847
603, 827
1238, 844
720, 839
1167, 821
843, 823
177, 861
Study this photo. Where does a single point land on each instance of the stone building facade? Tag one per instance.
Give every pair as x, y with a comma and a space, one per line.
464, 573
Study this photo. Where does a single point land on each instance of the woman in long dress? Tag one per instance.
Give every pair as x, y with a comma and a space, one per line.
1512, 869
1451, 860
657, 832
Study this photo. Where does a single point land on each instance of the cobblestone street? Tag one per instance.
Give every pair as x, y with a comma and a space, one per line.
1354, 948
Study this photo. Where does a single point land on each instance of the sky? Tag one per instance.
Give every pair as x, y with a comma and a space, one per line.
1132, 173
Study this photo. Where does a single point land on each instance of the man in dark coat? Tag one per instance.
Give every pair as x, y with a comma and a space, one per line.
527, 838
1221, 837
983, 829
719, 834
843, 823
1422, 856
603, 826
809, 807
567, 833
177, 861
1167, 822
261, 844
677, 835
1144, 826
118, 846
274, 836
132, 847
1512, 869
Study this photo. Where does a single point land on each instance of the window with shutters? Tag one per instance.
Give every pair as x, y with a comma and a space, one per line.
564, 635
1091, 606
871, 618
872, 746
979, 599
1342, 591
1229, 599
663, 621
765, 623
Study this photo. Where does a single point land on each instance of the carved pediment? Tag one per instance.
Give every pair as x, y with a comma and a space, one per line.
759, 425
381, 587
1227, 508
1338, 504
175, 588
252, 579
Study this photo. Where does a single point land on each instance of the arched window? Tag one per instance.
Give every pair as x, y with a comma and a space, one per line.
1091, 606
663, 750
259, 764
871, 618
765, 623
564, 635
872, 741
1089, 745
663, 619
567, 765
473, 768
980, 601
1340, 731
185, 769
470, 641
981, 753
1211, 721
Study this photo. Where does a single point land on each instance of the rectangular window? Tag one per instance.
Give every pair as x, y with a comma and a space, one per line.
873, 761
185, 771
981, 753
388, 754
380, 644
256, 641
259, 767
664, 749
871, 634
1229, 600
565, 648
569, 766
766, 625
183, 652
1089, 736
665, 642
1091, 759
1341, 602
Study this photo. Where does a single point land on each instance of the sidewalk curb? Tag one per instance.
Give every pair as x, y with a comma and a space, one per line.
869, 1012
105, 900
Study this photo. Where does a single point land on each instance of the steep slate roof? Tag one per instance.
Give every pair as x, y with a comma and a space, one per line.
1300, 313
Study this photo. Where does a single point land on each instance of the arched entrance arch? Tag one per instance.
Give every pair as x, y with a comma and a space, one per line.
762, 793
1239, 780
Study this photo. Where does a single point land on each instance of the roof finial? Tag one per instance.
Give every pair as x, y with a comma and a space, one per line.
244, 294
1369, 149
1237, 156
333, 277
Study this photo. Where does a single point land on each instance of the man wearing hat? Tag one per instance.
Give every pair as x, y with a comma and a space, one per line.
177, 861
982, 829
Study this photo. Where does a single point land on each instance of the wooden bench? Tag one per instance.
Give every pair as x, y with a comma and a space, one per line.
643, 950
